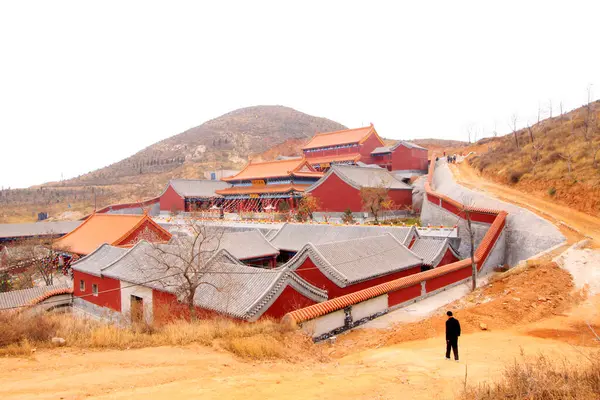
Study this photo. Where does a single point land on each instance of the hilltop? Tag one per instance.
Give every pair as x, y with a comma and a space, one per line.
557, 158
224, 142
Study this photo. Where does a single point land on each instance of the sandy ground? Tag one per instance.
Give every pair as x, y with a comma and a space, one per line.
361, 366
415, 370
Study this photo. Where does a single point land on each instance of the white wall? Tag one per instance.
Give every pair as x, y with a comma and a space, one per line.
140, 291
369, 307
325, 324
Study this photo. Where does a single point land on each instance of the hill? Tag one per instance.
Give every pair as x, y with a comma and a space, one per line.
558, 158
224, 142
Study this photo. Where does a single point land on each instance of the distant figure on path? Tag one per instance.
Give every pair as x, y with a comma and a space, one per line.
452, 334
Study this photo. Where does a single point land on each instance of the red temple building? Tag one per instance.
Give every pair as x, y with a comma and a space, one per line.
190, 195
348, 146
339, 189
403, 156
263, 186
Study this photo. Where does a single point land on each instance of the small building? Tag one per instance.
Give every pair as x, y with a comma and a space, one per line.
185, 195
345, 147
35, 230
251, 248
41, 298
263, 186
347, 266
115, 229
340, 188
435, 252
402, 156
113, 282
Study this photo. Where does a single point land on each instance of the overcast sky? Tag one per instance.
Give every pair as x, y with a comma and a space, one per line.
85, 84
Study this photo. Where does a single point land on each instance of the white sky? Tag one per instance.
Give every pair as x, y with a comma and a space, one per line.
84, 84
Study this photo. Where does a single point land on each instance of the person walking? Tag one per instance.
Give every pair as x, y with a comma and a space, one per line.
452, 334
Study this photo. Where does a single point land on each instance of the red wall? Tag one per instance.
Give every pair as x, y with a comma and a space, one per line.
447, 259
309, 271
289, 300
335, 195
110, 300
447, 279
400, 296
170, 200
404, 158
367, 147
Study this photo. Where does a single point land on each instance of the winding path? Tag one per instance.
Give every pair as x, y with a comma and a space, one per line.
575, 225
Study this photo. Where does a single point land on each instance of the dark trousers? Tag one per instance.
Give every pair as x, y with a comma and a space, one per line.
452, 343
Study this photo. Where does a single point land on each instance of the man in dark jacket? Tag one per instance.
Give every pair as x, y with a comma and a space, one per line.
452, 334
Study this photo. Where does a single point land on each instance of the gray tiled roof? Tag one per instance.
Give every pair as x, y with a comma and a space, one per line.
292, 237
247, 245
37, 229
17, 298
431, 250
197, 187
228, 287
360, 177
352, 261
382, 149
98, 259
410, 145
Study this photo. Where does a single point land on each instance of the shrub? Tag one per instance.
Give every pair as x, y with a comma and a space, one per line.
552, 191
264, 339
515, 176
348, 218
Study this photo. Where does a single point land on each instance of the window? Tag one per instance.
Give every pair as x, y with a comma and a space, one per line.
82, 285
95, 289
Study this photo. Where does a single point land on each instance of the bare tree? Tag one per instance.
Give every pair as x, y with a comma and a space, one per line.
513, 126
530, 130
561, 106
186, 264
567, 155
467, 207
550, 108
34, 260
589, 118
536, 156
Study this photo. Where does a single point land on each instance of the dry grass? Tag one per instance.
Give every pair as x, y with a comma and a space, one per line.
542, 378
262, 340
559, 144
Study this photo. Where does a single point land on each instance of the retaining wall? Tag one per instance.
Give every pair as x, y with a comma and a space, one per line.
526, 233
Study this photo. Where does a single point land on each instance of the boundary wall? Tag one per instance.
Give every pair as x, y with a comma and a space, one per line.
334, 316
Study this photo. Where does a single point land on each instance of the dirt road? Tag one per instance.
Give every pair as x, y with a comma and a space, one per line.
583, 223
415, 370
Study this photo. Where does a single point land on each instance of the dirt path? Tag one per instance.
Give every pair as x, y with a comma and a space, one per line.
583, 223
415, 370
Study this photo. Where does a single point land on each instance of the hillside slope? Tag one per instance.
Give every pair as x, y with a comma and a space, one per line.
224, 142
558, 158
